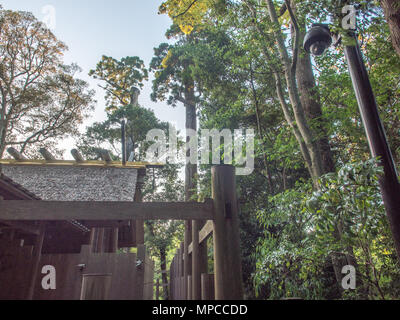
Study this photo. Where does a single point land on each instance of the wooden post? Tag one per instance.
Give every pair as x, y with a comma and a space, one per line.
207, 286
190, 291
139, 232
36, 254
227, 256
100, 240
172, 279
187, 270
140, 269
139, 198
203, 252
196, 263
113, 247
95, 286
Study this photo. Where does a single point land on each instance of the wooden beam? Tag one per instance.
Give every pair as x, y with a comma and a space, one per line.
23, 210
87, 163
204, 233
15, 154
105, 155
23, 227
46, 154
77, 155
103, 224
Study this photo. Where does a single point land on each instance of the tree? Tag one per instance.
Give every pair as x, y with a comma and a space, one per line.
173, 78
123, 80
391, 9
40, 99
186, 14
107, 134
245, 77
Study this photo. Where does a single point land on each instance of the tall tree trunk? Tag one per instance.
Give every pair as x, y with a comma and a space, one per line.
391, 9
282, 99
191, 124
310, 99
294, 96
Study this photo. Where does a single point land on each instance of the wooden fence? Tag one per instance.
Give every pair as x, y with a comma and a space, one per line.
177, 276
130, 275
189, 278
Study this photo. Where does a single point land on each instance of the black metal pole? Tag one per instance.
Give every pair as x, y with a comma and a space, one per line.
376, 136
123, 141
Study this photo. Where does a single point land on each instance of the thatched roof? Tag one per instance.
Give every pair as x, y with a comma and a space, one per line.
55, 182
10, 190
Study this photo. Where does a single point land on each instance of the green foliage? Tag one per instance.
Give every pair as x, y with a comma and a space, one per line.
107, 134
123, 78
41, 99
301, 234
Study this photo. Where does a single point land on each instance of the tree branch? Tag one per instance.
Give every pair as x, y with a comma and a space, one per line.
296, 42
186, 10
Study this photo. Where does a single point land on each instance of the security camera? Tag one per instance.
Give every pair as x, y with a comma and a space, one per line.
317, 39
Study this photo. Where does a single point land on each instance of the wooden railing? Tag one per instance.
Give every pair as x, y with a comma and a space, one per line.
189, 277
177, 276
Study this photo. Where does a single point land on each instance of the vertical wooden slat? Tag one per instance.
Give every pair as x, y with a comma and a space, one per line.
100, 240
190, 290
113, 246
37, 250
187, 258
140, 270
196, 276
207, 286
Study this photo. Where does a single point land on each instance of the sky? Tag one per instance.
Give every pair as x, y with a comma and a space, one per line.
118, 28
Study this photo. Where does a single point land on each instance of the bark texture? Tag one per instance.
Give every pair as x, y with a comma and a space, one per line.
391, 9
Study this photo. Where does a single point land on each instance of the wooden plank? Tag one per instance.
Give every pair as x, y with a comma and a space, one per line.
196, 275
204, 233
87, 163
96, 286
207, 287
140, 270
23, 210
37, 251
104, 224
187, 259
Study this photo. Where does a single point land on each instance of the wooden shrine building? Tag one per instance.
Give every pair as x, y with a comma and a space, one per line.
77, 249
79, 221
